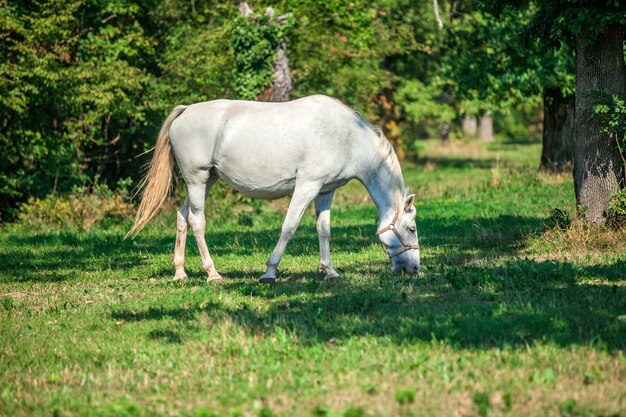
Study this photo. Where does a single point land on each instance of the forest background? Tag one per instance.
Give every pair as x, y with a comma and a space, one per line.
85, 84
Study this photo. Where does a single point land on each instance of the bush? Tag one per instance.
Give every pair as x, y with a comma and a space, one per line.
84, 207
616, 211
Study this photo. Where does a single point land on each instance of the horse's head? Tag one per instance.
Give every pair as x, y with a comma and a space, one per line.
400, 239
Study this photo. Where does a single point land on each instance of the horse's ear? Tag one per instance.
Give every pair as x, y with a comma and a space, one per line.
408, 202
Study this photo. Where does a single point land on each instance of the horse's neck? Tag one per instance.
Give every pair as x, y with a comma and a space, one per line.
386, 191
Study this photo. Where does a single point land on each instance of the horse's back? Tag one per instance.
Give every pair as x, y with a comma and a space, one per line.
263, 148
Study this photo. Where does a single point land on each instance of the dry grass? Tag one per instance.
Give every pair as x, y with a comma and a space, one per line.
578, 241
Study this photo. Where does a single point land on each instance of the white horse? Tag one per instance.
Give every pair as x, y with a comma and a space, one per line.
307, 148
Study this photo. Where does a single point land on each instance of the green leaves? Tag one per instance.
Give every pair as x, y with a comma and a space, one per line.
71, 85
254, 40
422, 103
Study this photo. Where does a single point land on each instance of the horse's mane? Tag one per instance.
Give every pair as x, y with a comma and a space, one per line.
388, 155
385, 149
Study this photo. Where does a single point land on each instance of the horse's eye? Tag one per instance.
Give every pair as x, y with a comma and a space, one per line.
412, 229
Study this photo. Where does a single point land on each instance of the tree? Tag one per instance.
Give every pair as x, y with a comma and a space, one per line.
557, 76
280, 83
498, 65
486, 66
598, 165
599, 30
71, 86
558, 129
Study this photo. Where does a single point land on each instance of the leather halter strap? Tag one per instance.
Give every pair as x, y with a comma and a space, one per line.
392, 226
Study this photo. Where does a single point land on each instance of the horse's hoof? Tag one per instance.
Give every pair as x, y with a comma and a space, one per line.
331, 277
215, 280
181, 277
267, 280
329, 272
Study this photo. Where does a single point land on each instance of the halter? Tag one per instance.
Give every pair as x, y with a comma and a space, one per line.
392, 226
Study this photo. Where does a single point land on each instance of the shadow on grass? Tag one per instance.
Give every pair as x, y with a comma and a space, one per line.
444, 162
50, 257
168, 336
507, 141
473, 294
514, 304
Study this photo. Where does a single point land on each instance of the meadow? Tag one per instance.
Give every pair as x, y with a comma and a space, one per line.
513, 314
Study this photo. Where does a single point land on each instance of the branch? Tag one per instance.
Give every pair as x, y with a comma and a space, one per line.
108, 18
244, 9
437, 17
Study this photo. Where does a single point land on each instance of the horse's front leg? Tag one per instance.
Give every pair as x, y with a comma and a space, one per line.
322, 212
302, 197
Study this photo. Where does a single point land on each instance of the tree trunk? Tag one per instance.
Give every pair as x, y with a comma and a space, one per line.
558, 128
469, 125
281, 78
485, 128
598, 169
445, 133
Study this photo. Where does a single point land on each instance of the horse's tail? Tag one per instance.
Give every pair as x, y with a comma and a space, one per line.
157, 181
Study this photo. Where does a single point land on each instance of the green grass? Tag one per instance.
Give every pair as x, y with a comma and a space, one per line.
504, 319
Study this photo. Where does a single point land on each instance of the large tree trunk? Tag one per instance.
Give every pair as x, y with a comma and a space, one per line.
558, 128
485, 128
597, 164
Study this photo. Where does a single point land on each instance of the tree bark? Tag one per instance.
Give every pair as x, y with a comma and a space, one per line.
281, 76
485, 128
469, 125
558, 129
598, 169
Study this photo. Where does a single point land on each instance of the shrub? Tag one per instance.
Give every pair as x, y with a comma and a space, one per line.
84, 207
559, 218
616, 211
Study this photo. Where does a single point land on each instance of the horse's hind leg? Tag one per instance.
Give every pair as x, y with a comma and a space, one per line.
181, 238
197, 193
302, 197
322, 212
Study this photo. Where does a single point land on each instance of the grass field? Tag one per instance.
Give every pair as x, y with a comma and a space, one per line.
510, 316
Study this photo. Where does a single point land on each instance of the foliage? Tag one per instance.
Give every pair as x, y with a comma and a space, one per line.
612, 112
422, 105
83, 207
195, 58
560, 218
498, 65
616, 211
521, 121
556, 21
254, 40
71, 88
86, 84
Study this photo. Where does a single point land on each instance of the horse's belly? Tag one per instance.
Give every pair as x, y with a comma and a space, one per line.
258, 185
